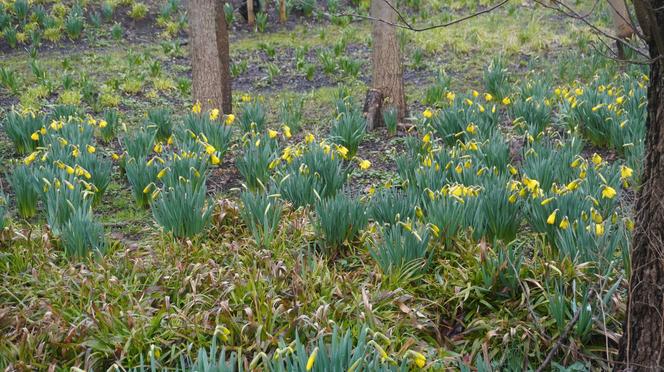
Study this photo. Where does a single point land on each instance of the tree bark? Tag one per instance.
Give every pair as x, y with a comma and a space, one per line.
282, 11
251, 16
373, 108
621, 19
211, 82
642, 343
386, 57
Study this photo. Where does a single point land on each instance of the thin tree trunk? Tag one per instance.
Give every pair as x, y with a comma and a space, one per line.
621, 19
211, 83
282, 11
386, 57
251, 17
642, 343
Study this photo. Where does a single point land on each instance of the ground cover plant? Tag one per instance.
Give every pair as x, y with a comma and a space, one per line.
140, 230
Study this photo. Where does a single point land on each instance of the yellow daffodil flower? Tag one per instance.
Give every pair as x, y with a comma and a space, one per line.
596, 159
471, 128
196, 108
564, 224
287, 131
312, 359
608, 192
230, 118
599, 229
626, 172
214, 114
552, 218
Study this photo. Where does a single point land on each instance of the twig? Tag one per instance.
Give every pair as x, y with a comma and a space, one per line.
408, 26
571, 13
617, 58
562, 338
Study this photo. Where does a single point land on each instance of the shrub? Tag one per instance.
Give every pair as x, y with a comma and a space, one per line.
25, 186
116, 31
499, 270
181, 209
140, 145
391, 120
447, 215
74, 25
299, 189
10, 36
20, 130
141, 175
229, 14
211, 132
502, 216
261, 21
138, 11
252, 117
254, 164
434, 94
184, 166
107, 9
100, 171
9, 79
391, 205
496, 79
531, 115
3, 210
109, 125
261, 213
304, 6
81, 235
349, 130
313, 176
402, 251
63, 196
160, 120
339, 220
290, 114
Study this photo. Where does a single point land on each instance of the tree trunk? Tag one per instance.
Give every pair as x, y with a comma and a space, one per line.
642, 343
282, 11
251, 17
386, 57
211, 82
621, 19
373, 109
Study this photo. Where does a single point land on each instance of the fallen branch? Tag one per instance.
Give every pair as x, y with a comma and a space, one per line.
562, 338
